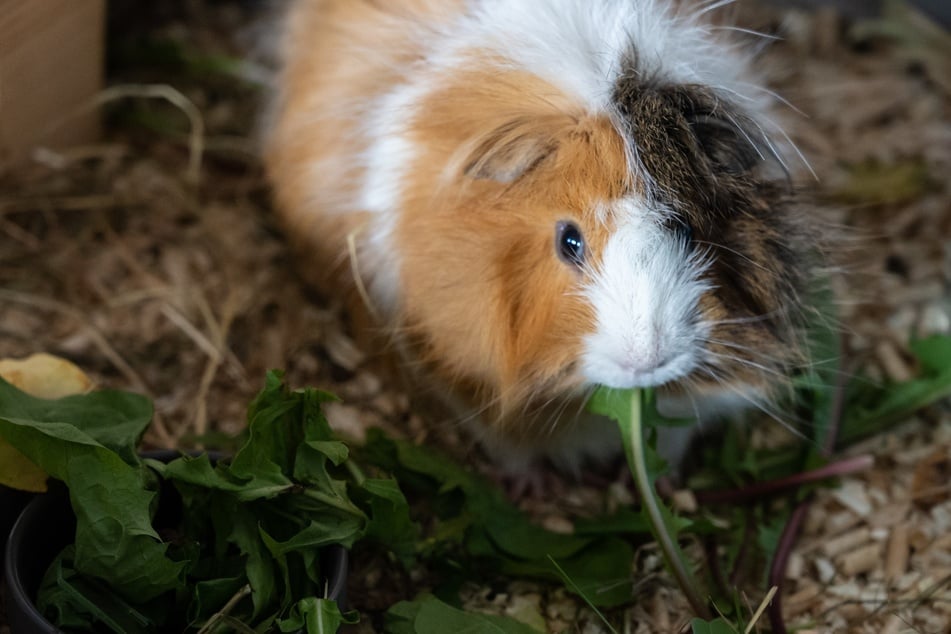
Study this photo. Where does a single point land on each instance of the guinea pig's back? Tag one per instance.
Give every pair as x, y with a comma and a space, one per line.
340, 57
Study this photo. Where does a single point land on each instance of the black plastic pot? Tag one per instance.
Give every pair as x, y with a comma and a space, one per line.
48, 524
44, 528
12, 502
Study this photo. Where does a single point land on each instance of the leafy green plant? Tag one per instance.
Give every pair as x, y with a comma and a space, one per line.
242, 552
475, 527
627, 408
429, 615
250, 530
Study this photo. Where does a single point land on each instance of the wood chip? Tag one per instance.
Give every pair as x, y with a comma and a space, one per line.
344, 352
852, 612
918, 538
931, 480
890, 514
660, 613
897, 369
825, 569
684, 501
802, 598
559, 524
935, 320
796, 566
843, 543
893, 624
346, 420
861, 560
363, 386
853, 495
896, 558
914, 455
930, 290
941, 516
840, 522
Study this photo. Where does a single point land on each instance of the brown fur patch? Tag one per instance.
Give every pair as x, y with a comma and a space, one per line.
703, 164
488, 299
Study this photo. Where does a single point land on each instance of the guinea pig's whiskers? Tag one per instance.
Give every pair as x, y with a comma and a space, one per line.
775, 95
513, 393
772, 148
793, 145
758, 404
689, 383
743, 133
753, 32
746, 362
830, 321
716, 245
712, 6
474, 415
585, 399
736, 94
357, 275
559, 414
733, 345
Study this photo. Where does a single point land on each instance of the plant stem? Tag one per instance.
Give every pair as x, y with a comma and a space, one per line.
777, 570
669, 549
335, 502
355, 471
770, 487
571, 582
225, 610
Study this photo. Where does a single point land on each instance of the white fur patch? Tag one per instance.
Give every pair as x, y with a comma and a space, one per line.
645, 293
387, 159
579, 45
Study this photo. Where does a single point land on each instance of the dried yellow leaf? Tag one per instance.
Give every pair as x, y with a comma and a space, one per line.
42, 376
45, 376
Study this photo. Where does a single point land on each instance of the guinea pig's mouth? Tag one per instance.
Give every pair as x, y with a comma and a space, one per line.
626, 371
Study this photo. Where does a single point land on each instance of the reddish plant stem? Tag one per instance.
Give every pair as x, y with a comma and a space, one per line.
771, 487
787, 540
777, 570
838, 404
740, 560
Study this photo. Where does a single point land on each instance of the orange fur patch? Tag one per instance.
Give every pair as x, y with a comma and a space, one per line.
341, 57
487, 298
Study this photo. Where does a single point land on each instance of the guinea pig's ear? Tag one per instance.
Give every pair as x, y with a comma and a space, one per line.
511, 150
731, 148
737, 146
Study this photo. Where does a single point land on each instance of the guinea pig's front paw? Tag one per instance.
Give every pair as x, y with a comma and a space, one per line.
534, 482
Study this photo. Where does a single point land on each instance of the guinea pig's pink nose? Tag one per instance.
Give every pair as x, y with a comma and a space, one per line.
634, 363
640, 368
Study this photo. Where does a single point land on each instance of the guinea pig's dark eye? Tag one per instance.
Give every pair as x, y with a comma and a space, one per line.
569, 243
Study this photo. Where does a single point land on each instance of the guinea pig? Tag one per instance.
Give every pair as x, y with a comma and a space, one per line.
533, 198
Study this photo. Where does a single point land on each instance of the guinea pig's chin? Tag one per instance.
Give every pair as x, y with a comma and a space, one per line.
709, 404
